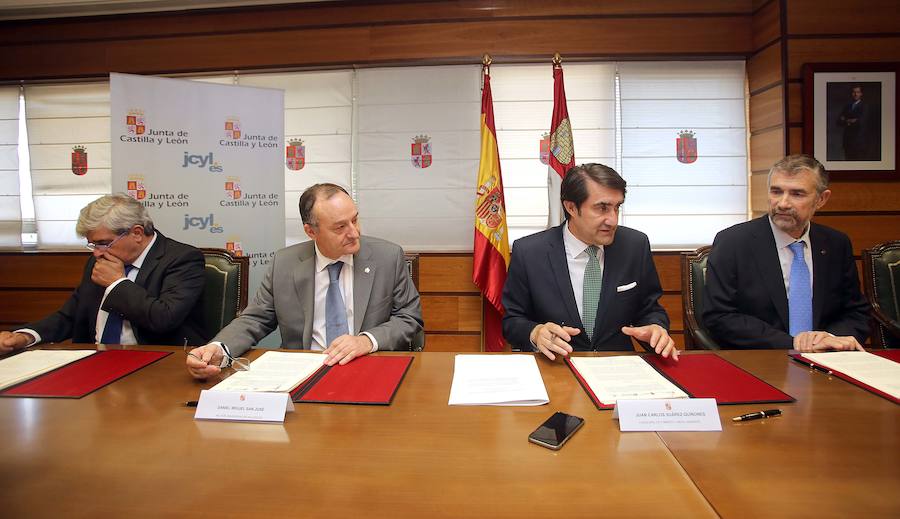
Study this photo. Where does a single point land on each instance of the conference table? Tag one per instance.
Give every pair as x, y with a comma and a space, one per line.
132, 449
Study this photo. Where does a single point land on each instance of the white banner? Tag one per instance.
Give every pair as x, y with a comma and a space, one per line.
207, 161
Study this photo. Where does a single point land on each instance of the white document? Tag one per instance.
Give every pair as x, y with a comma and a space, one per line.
497, 380
274, 371
624, 377
30, 364
881, 373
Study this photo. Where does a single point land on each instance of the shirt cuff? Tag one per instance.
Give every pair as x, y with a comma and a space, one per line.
32, 333
374, 341
226, 354
112, 286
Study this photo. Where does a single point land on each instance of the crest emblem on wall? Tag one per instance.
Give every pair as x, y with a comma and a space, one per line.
233, 188
79, 160
545, 148
295, 155
134, 121
232, 128
233, 245
421, 151
135, 188
686, 147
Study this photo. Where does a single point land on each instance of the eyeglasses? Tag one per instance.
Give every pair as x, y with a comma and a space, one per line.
104, 246
235, 363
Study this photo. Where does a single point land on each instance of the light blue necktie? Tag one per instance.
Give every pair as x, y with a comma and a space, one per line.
112, 331
335, 311
800, 293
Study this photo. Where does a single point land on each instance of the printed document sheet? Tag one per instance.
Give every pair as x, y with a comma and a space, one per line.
30, 364
624, 377
878, 372
274, 371
513, 380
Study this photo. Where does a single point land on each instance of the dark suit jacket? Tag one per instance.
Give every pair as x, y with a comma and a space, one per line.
745, 303
163, 304
538, 289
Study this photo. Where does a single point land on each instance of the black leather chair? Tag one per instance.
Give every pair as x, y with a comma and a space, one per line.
881, 275
227, 280
693, 278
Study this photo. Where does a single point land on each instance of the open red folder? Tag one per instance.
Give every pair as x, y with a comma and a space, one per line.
706, 375
371, 379
87, 375
893, 355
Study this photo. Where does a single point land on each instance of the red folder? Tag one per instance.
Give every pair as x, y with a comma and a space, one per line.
893, 355
706, 375
87, 375
364, 380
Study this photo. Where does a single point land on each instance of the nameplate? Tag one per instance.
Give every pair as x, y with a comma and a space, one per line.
691, 414
237, 406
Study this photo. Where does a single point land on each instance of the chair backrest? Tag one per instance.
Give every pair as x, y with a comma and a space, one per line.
881, 275
693, 279
227, 279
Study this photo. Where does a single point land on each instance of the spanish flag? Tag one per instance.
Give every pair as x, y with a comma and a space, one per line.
491, 237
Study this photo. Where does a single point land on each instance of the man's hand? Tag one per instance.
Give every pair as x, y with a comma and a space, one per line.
824, 341
107, 269
346, 348
203, 362
656, 336
552, 339
10, 341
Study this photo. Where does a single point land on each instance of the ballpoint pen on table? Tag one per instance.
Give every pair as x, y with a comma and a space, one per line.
755, 416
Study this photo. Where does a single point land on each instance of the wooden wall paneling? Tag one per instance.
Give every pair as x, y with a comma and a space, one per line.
446, 273
842, 16
795, 140
452, 342
840, 50
668, 266
764, 68
672, 304
22, 306
42, 270
865, 231
766, 148
767, 109
863, 196
795, 99
766, 24
759, 194
451, 313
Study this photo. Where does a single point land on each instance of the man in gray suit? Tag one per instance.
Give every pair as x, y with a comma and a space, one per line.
307, 284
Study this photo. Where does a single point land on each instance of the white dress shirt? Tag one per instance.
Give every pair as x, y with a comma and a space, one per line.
577, 259
786, 257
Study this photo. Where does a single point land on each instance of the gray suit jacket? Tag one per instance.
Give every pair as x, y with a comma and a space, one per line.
385, 302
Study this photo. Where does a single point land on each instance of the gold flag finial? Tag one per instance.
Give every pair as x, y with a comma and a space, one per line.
486, 60
557, 59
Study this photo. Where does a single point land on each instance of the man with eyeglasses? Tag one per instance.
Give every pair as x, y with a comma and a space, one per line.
588, 284
139, 287
341, 293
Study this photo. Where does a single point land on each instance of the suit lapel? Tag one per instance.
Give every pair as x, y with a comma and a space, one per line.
151, 260
560, 266
766, 257
304, 275
363, 279
612, 265
819, 252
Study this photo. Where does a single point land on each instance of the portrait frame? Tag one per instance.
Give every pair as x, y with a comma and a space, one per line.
850, 115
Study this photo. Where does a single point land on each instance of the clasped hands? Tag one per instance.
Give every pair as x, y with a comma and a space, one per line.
204, 361
553, 339
824, 341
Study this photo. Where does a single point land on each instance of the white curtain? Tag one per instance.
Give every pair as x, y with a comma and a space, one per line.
523, 105
59, 117
429, 208
10, 208
683, 205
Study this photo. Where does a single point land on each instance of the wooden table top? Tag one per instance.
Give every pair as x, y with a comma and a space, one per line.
133, 449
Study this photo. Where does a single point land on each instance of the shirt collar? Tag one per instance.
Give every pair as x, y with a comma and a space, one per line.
783, 239
322, 261
140, 259
574, 246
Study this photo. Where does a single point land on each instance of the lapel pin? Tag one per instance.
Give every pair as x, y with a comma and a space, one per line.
822, 252
366, 270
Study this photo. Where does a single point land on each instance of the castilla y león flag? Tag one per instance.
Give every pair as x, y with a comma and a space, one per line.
491, 237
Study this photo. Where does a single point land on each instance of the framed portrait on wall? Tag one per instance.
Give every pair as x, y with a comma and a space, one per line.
850, 118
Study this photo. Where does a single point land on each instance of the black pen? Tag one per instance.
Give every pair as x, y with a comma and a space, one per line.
191, 403
812, 365
757, 415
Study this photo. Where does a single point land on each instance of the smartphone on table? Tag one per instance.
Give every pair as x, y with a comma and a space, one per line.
556, 430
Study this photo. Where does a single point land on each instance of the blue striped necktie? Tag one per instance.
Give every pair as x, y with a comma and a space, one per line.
335, 310
799, 293
112, 332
